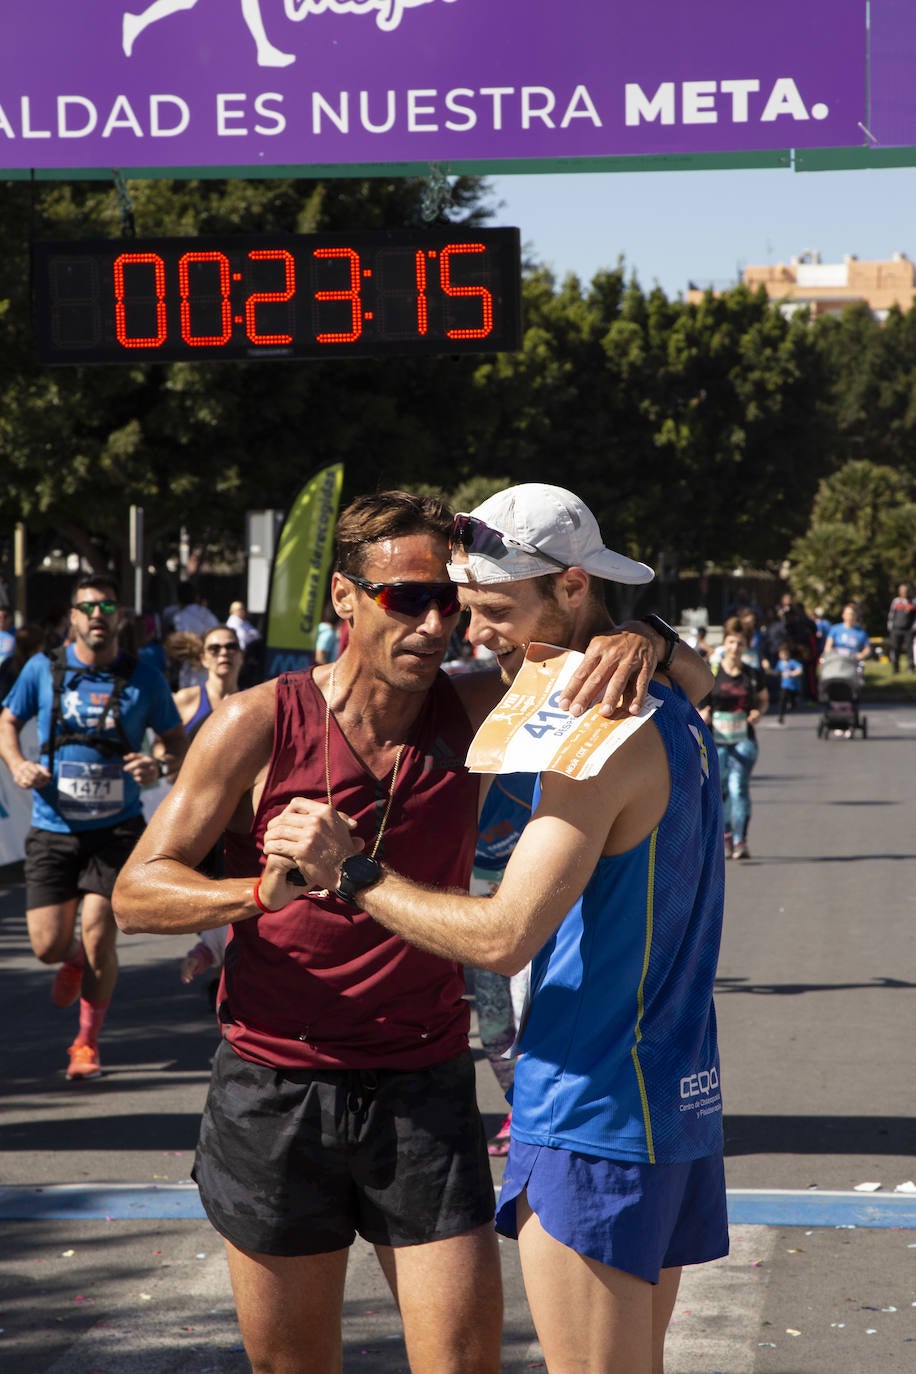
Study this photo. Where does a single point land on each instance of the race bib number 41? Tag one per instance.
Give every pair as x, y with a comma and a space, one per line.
528, 733
90, 791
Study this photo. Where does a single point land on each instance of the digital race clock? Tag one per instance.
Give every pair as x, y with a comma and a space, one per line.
372, 293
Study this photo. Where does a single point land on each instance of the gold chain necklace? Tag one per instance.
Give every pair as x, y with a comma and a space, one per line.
327, 766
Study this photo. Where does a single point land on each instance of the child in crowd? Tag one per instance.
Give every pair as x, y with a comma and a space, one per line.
790, 673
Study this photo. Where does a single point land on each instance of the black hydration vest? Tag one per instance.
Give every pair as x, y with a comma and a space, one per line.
122, 671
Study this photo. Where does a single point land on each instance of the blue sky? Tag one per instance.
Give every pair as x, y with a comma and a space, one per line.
673, 228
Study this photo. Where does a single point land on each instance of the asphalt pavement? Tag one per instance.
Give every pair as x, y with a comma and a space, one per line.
108, 1267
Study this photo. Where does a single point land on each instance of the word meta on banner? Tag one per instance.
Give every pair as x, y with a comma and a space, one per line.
367, 294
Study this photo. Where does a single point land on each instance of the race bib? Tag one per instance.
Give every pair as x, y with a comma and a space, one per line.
90, 791
729, 726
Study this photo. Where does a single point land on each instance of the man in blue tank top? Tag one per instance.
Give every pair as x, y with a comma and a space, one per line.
615, 1175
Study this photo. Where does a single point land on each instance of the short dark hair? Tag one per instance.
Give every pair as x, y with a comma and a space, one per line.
99, 582
370, 519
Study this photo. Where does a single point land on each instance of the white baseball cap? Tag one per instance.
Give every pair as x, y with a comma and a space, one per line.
532, 529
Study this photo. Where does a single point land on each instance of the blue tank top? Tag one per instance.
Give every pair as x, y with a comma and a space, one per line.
204, 709
619, 1056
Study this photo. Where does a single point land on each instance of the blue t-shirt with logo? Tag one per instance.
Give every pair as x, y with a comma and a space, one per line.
90, 789
848, 639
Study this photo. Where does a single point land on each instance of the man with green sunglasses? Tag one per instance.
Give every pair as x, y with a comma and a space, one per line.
93, 704
342, 1100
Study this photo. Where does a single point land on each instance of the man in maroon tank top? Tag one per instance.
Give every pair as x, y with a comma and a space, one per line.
342, 1099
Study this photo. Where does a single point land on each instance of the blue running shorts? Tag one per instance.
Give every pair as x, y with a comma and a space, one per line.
640, 1218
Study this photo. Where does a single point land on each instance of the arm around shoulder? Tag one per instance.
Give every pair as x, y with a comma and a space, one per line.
692, 673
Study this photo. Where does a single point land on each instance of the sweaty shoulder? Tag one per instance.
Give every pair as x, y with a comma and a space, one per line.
244, 725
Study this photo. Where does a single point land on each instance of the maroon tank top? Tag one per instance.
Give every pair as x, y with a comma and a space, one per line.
318, 984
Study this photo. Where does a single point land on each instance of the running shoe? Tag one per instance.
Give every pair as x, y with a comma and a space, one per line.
84, 1062
499, 1145
741, 850
68, 982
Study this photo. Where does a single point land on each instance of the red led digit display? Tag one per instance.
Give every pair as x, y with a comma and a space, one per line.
422, 308
451, 289
351, 295
237, 297
185, 263
139, 295
289, 282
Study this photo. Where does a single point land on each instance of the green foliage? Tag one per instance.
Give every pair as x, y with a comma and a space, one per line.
860, 543
698, 432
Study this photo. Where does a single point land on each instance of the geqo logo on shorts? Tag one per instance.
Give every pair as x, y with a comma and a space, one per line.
700, 1084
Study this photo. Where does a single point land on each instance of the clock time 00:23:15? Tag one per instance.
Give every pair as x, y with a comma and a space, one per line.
368, 293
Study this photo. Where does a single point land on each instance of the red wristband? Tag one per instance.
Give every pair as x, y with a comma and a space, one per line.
255, 892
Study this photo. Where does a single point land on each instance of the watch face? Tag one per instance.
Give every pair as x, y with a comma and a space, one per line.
359, 870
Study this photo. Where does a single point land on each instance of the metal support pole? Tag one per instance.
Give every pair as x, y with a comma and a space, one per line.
136, 554
19, 615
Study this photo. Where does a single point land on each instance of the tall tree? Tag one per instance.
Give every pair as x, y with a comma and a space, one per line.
861, 541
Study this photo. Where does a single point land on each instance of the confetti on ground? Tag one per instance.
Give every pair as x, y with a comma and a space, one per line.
790, 1331
866, 1187
908, 1187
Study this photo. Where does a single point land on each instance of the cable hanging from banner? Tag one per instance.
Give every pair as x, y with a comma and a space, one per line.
125, 205
436, 196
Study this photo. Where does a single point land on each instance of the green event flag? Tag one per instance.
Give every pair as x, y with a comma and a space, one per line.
302, 566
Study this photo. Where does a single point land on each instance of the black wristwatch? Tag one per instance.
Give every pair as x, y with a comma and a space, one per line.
668, 634
357, 872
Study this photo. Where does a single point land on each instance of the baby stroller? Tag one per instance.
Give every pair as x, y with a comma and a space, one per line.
839, 689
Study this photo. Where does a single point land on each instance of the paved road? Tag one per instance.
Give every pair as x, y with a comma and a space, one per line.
816, 1007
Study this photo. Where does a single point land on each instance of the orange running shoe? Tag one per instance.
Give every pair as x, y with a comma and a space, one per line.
68, 983
84, 1062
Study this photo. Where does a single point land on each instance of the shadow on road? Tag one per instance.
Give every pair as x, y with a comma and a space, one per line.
724, 985
820, 1135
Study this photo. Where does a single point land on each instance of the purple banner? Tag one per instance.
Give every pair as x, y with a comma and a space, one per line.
264, 83
891, 120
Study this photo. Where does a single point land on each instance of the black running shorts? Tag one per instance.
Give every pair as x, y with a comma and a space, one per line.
298, 1163
59, 866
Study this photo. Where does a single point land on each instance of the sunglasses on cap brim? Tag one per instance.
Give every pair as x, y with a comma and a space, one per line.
411, 598
475, 536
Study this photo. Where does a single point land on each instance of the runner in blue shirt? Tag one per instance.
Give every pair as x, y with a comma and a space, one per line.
848, 637
94, 705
